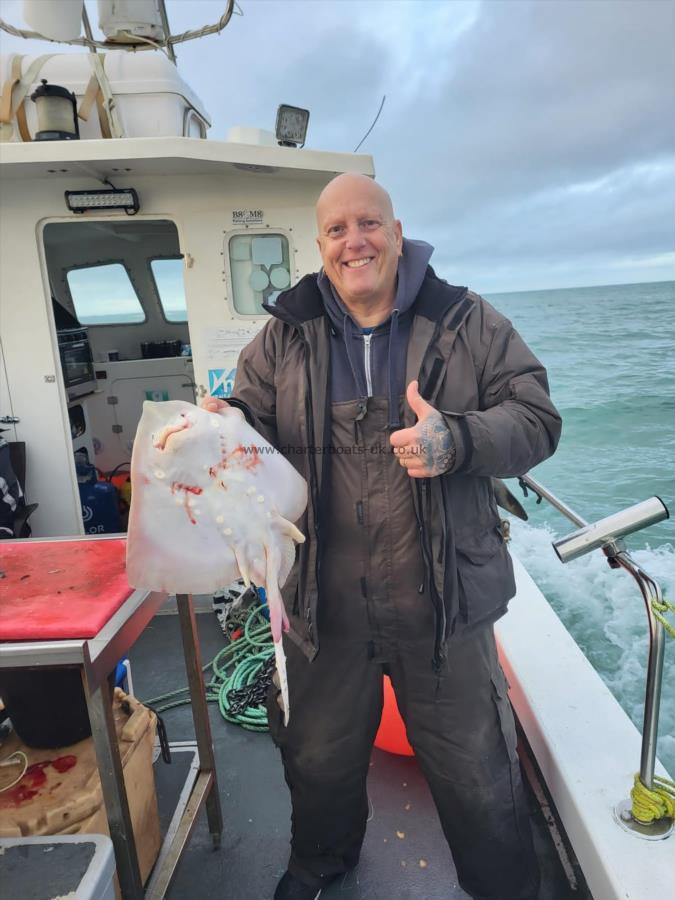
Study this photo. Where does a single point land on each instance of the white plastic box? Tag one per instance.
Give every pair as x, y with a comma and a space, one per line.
151, 98
77, 866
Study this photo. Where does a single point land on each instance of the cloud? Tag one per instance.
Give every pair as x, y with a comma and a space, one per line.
532, 142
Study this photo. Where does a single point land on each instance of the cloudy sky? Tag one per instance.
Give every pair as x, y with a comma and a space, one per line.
533, 143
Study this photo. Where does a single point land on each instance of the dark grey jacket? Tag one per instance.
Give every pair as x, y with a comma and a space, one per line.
493, 393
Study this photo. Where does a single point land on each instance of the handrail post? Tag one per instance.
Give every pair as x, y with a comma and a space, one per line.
650, 591
617, 557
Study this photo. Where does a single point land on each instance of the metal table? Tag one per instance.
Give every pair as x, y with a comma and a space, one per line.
97, 657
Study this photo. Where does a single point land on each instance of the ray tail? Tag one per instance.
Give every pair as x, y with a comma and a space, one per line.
280, 658
275, 603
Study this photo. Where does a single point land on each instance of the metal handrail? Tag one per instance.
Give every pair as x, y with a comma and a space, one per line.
545, 494
618, 557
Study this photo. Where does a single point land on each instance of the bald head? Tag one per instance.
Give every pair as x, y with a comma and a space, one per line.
344, 188
360, 243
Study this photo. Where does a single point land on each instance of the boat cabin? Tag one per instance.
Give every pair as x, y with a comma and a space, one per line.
104, 307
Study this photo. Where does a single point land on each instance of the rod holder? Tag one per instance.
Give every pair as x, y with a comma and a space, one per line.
611, 529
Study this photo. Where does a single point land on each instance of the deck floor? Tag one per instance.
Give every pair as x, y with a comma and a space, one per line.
256, 807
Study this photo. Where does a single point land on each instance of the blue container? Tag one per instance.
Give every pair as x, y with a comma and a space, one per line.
100, 509
121, 675
262, 597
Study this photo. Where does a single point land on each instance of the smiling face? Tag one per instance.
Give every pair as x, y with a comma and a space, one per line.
360, 243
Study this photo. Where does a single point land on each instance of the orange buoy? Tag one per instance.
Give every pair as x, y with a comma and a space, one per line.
391, 735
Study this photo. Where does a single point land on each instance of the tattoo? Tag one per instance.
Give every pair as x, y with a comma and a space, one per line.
436, 445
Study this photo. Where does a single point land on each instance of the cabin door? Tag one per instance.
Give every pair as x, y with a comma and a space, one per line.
120, 321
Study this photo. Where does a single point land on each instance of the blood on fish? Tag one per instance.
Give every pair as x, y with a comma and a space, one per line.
186, 507
222, 464
188, 488
250, 455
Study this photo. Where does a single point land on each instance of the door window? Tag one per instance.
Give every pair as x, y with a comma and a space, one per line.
104, 295
168, 275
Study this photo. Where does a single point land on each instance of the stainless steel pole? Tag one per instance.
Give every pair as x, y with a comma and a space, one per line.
99, 704
649, 590
200, 710
87, 28
167, 31
553, 500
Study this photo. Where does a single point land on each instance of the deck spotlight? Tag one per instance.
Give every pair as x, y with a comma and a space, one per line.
291, 127
115, 198
56, 112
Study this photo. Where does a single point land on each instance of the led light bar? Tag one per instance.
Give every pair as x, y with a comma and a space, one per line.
122, 198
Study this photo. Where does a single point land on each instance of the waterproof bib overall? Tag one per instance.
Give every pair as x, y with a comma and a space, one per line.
376, 617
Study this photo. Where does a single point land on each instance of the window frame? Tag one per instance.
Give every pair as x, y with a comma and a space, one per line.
256, 232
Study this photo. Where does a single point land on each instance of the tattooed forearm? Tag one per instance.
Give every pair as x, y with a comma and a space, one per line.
436, 444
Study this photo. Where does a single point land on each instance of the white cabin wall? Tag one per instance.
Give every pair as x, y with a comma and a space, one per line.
205, 225
31, 358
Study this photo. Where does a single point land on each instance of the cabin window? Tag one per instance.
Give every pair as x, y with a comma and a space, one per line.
168, 275
104, 295
260, 269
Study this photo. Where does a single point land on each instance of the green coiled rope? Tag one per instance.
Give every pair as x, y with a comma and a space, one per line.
236, 666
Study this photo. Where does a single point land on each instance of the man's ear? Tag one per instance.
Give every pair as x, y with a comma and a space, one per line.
398, 232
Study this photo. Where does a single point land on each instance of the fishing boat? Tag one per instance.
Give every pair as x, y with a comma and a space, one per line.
135, 257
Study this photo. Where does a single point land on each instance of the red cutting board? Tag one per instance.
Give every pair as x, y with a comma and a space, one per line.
54, 590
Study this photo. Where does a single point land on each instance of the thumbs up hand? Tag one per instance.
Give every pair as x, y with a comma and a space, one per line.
427, 448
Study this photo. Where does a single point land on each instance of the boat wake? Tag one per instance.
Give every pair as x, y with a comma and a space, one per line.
605, 614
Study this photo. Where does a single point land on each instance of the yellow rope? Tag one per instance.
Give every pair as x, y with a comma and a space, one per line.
659, 803
659, 610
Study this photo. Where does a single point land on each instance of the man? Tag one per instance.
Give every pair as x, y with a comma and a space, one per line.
397, 396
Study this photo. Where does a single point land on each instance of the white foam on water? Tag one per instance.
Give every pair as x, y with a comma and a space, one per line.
603, 610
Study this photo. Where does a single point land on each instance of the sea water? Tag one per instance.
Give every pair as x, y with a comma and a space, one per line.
610, 356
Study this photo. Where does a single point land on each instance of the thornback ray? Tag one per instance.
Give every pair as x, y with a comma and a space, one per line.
212, 501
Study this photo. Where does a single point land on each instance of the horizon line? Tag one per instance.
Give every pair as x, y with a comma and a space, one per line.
575, 287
